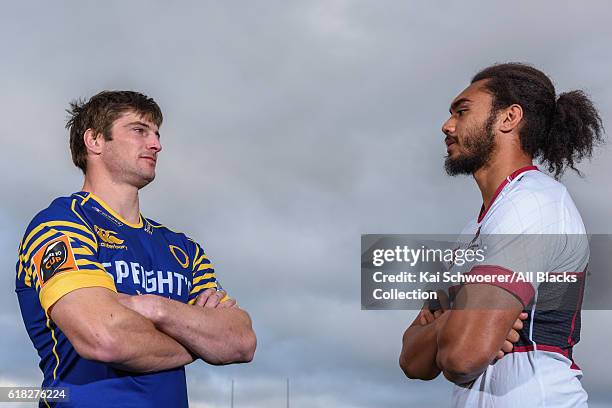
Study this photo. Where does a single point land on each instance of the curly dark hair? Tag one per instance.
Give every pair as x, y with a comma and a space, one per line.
559, 132
100, 112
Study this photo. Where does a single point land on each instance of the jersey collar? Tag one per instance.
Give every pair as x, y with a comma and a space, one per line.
87, 196
503, 184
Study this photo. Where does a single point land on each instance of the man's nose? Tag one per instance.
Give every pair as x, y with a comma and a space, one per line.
448, 127
155, 144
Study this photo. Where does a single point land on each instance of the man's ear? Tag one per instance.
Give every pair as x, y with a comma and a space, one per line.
510, 118
93, 141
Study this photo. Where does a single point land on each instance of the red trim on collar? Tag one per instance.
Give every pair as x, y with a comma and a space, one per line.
507, 180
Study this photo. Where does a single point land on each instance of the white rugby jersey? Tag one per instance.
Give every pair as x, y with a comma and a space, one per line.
532, 225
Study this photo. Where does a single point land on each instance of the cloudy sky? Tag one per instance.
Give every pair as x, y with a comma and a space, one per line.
291, 128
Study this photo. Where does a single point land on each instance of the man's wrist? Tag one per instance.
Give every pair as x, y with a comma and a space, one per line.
155, 308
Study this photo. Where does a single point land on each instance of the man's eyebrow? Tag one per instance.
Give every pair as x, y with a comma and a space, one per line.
143, 125
457, 103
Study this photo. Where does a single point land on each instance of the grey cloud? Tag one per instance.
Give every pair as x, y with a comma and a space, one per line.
290, 130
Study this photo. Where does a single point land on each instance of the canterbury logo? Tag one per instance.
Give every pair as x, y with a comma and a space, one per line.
108, 236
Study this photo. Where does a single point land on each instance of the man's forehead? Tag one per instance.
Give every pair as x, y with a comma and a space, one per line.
132, 116
474, 92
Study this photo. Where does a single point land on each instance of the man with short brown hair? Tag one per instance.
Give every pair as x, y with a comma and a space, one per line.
115, 303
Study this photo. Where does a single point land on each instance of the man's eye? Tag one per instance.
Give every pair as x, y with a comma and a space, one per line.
139, 130
460, 112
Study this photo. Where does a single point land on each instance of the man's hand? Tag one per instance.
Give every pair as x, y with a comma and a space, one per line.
146, 305
149, 307
211, 298
427, 316
217, 331
512, 336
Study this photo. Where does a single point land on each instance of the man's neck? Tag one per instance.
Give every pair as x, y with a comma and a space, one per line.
122, 198
493, 174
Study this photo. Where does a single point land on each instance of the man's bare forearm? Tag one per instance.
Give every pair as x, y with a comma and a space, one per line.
105, 330
217, 335
141, 347
419, 350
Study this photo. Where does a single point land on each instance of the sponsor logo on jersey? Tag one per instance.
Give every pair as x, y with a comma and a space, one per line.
132, 277
109, 238
179, 255
53, 258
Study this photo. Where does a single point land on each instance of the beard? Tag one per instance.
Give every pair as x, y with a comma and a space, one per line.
479, 145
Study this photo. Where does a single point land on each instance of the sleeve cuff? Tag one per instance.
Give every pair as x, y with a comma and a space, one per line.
523, 291
68, 281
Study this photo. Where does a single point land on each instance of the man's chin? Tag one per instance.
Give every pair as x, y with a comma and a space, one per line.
145, 180
456, 166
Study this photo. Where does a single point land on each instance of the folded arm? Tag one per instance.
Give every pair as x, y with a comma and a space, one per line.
100, 328
430, 347
419, 346
475, 331
211, 330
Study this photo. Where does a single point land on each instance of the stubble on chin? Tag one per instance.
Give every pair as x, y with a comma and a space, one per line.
479, 146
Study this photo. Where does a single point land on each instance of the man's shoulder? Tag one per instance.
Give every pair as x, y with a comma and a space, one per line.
60, 209
60, 217
173, 236
165, 230
536, 183
535, 203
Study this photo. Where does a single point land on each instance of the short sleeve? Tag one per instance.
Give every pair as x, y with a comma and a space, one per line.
57, 255
526, 240
203, 274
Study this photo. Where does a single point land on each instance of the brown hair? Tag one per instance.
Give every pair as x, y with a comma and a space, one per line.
99, 113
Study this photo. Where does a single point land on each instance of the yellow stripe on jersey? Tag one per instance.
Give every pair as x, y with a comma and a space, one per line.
39, 227
57, 359
52, 232
68, 281
205, 276
82, 262
225, 298
40, 239
200, 260
83, 221
112, 212
204, 266
19, 267
28, 277
204, 286
82, 251
81, 238
84, 200
195, 258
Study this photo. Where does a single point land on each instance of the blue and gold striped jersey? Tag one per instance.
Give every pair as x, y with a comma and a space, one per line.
79, 242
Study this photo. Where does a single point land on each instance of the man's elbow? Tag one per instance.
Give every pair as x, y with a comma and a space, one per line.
416, 373
247, 347
246, 343
460, 366
240, 350
99, 345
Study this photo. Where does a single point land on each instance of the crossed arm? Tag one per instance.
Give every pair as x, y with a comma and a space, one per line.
150, 333
462, 342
